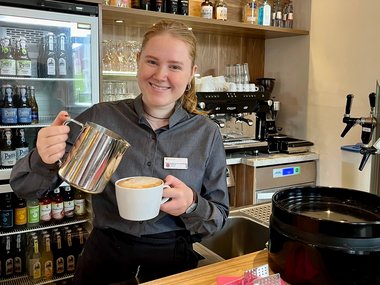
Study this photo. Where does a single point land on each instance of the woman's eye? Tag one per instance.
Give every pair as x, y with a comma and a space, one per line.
176, 67
151, 61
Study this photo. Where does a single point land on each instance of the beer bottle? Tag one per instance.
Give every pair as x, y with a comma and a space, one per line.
33, 209
7, 211
21, 145
79, 202
7, 61
207, 9
45, 208
62, 56
23, 61
46, 257
68, 202
20, 212
6, 257
34, 259
33, 105
51, 58
58, 254
41, 64
7, 151
19, 258
57, 209
24, 111
70, 252
9, 110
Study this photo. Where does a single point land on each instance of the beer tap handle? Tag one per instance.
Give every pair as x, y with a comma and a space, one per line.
366, 152
372, 101
350, 122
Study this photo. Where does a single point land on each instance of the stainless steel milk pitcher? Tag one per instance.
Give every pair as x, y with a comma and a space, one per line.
93, 158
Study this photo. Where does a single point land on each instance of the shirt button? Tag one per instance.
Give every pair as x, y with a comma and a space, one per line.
149, 163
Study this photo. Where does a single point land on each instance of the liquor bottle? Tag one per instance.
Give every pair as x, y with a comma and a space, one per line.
20, 212
7, 211
41, 64
207, 9
135, 4
51, 57
7, 151
7, 61
68, 202
289, 19
250, 12
46, 257
266, 14
24, 111
220, 10
33, 105
34, 259
62, 56
6, 257
70, 252
33, 209
146, 5
159, 7
23, 61
172, 6
277, 14
57, 210
45, 208
79, 203
20, 143
19, 257
183, 7
58, 254
9, 110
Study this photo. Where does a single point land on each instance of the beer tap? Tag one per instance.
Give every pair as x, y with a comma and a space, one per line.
240, 119
368, 126
217, 121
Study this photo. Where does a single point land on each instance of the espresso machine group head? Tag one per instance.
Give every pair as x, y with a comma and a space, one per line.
266, 119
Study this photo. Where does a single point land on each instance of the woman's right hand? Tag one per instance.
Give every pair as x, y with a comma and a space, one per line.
51, 141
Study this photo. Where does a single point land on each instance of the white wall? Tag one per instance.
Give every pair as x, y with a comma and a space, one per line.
315, 73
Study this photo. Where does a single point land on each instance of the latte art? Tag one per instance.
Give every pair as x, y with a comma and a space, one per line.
141, 182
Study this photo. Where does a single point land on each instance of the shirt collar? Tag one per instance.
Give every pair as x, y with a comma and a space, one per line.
179, 114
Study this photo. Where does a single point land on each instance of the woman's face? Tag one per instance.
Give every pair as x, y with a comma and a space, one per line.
164, 70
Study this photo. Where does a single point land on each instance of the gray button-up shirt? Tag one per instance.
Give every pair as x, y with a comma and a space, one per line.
190, 136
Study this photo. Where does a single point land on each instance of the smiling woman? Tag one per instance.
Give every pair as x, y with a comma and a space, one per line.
161, 125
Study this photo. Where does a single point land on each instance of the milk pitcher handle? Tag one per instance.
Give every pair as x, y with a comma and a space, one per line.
65, 123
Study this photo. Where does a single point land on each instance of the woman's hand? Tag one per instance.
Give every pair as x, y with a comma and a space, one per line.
181, 196
51, 141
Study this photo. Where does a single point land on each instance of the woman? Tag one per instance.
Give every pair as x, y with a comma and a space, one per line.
161, 122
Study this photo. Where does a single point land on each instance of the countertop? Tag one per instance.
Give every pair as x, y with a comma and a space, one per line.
264, 159
206, 275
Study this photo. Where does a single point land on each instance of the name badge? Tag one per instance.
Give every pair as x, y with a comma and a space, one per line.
175, 163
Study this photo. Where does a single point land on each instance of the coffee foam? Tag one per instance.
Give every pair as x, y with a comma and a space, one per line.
140, 182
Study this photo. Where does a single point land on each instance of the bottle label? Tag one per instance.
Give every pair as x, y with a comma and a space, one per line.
62, 70
51, 66
9, 116
17, 264
8, 158
20, 216
9, 267
45, 212
7, 219
8, 67
33, 214
24, 67
24, 115
60, 265
206, 12
70, 263
48, 269
221, 13
34, 268
80, 207
57, 211
69, 208
21, 152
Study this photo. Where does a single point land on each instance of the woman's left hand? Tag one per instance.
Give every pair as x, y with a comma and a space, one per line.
181, 196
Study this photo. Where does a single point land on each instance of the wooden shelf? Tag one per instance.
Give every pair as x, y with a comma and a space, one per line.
141, 18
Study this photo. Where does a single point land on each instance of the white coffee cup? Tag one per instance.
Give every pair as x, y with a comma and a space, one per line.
232, 86
139, 198
253, 87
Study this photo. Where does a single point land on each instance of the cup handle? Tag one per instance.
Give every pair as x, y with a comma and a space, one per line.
256, 88
60, 162
165, 199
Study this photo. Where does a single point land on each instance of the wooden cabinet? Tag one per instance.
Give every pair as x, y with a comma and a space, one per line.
219, 42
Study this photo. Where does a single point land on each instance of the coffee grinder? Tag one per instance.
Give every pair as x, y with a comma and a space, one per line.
267, 112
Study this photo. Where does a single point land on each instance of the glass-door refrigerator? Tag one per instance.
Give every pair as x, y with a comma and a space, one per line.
49, 61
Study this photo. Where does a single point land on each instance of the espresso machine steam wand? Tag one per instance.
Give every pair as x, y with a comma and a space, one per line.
368, 126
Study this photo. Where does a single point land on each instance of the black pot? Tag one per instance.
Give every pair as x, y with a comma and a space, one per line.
325, 236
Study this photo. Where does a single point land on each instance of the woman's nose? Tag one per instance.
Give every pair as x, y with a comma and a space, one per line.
161, 73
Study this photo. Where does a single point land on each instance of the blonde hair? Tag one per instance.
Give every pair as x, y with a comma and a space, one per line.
182, 32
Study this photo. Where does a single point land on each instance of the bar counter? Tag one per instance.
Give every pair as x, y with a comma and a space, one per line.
206, 275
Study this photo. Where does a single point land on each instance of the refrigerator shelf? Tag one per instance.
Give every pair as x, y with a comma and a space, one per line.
39, 79
25, 280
